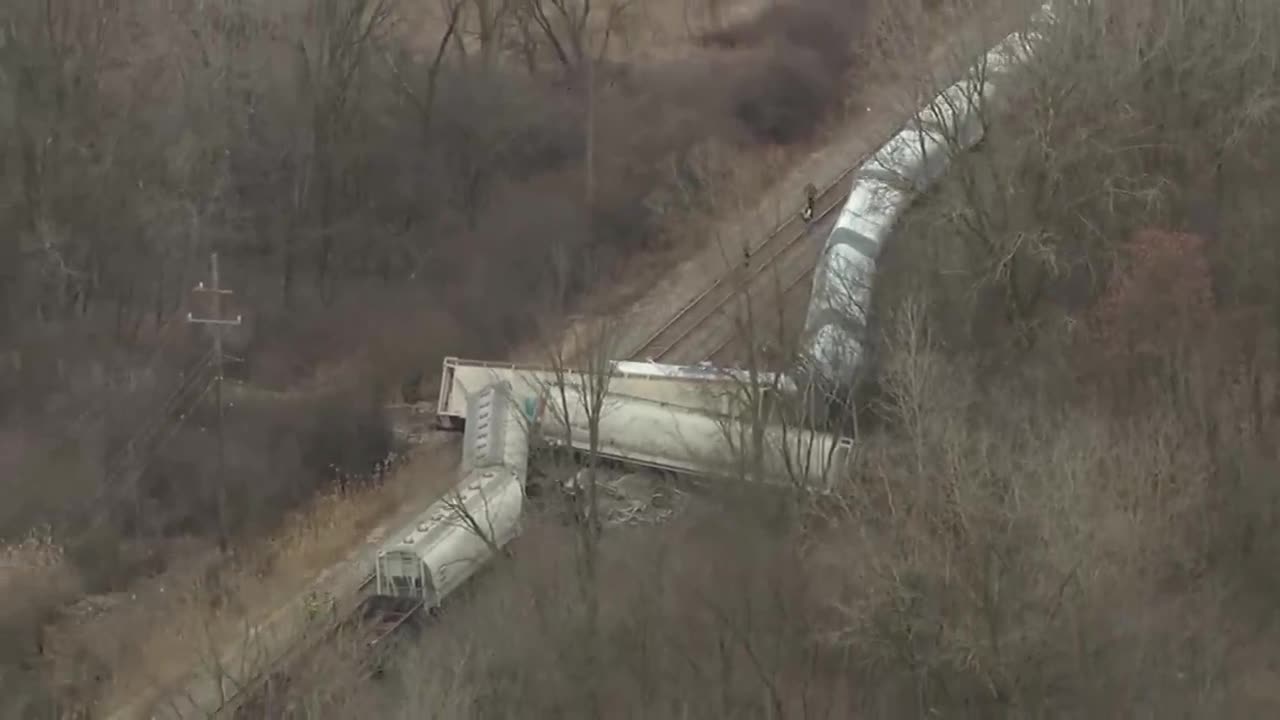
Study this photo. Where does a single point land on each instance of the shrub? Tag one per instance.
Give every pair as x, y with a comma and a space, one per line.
784, 95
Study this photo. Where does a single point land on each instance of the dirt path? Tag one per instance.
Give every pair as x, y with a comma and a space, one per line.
196, 691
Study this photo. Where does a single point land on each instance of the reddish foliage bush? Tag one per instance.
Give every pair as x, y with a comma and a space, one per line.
1157, 295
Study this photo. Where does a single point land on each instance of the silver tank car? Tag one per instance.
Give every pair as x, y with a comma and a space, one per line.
836, 322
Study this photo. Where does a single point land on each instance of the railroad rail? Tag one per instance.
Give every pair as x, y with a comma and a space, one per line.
378, 619
719, 355
668, 338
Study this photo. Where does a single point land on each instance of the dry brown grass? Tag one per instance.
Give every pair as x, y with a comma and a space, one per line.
157, 634
168, 627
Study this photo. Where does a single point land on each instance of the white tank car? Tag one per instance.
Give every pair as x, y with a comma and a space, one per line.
454, 538
839, 305
705, 372
883, 188
497, 430
460, 532
668, 437
691, 387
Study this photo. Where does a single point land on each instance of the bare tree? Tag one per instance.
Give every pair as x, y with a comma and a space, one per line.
575, 399
57, 56
331, 53
974, 612
1040, 207
776, 416
481, 527
577, 32
424, 100
493, 19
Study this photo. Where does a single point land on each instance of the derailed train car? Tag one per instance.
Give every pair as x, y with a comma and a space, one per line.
475, 520
708, 389
497, 429
836, 322
718, 391
677, 439
457, 535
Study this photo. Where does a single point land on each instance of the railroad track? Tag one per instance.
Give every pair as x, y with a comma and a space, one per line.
246, 694
722, 354
786, 237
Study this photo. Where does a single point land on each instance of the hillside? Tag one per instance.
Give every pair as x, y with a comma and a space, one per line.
1062, 501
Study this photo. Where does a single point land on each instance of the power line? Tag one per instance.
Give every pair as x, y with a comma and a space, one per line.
178, 424
152, 426
142, 439
188, 380
150, 456
203, 364
136, 447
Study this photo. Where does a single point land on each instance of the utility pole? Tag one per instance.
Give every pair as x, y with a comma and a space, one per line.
591, 135
216, 323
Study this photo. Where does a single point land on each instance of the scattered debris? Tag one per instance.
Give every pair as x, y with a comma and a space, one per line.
642, 497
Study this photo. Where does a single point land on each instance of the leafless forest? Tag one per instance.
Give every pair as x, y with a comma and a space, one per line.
1066, 491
